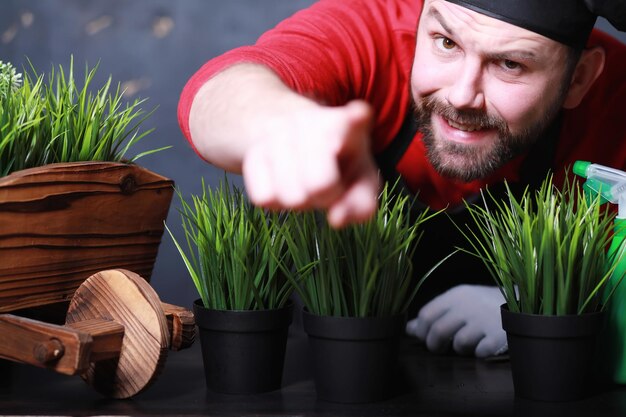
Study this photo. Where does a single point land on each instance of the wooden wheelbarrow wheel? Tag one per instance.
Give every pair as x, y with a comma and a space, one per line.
121, 297
116, 336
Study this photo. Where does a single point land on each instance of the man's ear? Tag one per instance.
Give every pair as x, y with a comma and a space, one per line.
588, 69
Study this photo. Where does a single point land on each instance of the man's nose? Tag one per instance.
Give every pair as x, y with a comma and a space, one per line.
466, 91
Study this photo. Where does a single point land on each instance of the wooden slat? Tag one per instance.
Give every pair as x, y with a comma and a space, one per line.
50, 262
61, 223
23, 241
92, 212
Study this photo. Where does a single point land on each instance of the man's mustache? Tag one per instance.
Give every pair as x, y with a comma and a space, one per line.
478, 118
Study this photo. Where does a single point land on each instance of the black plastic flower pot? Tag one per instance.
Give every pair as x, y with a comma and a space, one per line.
551, 356
355, 359
243, 351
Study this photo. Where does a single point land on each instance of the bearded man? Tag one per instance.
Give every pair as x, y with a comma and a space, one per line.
451, 95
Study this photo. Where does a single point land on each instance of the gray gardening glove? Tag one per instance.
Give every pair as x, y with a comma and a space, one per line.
466, 316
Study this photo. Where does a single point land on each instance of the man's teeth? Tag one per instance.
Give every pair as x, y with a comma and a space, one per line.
465, 128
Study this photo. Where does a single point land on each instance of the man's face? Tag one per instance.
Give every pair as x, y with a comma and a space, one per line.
484, 89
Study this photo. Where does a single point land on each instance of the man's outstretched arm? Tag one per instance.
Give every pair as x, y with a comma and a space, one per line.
293, 152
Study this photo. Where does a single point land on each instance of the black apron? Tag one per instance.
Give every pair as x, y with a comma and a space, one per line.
441, 236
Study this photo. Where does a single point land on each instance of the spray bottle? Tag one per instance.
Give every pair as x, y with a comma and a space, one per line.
610, 185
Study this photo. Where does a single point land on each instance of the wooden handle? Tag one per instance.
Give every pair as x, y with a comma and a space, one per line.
181, 325
45, 345
65, 349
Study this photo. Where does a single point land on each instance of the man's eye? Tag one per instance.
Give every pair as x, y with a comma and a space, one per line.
512, 65
447, 43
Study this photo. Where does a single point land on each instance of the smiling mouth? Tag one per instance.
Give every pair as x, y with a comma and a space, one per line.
463, 127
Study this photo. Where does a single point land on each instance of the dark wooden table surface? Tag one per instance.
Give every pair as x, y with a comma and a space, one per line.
429, 385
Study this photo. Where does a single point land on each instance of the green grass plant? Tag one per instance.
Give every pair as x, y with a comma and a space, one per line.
234, 250
546, 250
362, 270
52, 119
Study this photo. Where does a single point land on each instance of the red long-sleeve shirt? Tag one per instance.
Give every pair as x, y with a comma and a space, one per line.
338, 50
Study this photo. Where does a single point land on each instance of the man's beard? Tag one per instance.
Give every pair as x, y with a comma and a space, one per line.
469, 162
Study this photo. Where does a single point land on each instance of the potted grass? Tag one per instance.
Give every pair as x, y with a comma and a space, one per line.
72, 202
356, 285
76, 209
233, 255
546, 250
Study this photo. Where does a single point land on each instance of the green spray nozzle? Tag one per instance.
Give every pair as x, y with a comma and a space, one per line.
608, 183
580, 168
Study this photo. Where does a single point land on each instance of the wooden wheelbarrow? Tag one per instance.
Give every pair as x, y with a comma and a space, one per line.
87, 234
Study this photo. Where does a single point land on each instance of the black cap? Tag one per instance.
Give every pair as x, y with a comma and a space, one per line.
566, 21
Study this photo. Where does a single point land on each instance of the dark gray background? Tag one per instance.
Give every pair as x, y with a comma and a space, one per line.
152, 47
